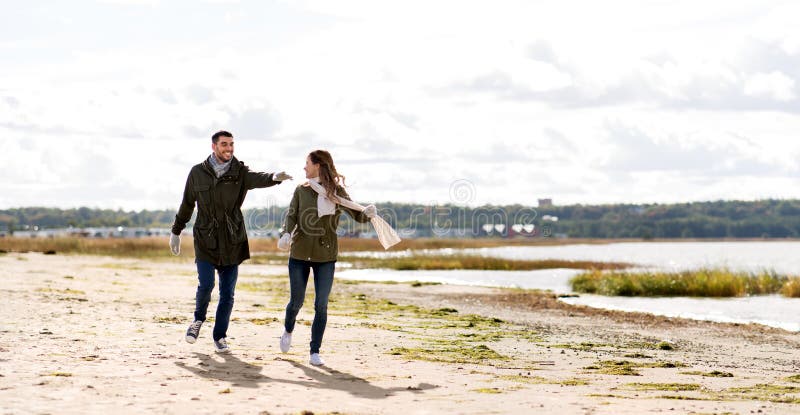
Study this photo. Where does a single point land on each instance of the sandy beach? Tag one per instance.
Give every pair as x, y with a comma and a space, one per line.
92, 334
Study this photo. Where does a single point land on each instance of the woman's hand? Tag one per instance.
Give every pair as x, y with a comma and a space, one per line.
285, 242
371, 211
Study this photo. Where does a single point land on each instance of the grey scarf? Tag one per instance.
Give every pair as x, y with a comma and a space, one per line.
219, 168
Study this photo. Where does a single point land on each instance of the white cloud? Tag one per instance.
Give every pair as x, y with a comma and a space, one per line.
774, 85
581, 101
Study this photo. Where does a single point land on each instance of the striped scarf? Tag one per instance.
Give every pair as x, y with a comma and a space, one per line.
219, 168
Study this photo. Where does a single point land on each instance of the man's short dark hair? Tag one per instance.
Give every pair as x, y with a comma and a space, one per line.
218, 134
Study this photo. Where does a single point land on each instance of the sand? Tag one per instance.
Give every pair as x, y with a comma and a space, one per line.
87, 334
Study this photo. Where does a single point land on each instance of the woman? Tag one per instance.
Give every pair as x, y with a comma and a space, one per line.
311, 221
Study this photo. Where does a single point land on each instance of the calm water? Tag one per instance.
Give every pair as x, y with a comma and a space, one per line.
772, 310
783, 257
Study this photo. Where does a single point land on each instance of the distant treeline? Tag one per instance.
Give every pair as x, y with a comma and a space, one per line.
719, 219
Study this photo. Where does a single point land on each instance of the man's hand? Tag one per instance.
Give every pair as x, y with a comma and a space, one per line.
175, 244
371, 211
279, 177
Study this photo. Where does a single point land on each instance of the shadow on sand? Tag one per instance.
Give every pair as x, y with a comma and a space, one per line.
246, 375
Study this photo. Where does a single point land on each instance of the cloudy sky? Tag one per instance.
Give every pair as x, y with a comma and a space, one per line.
109, 103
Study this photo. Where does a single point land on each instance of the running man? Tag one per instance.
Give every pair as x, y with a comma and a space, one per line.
218, 186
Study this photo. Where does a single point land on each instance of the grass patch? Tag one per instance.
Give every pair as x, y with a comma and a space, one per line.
154, 247
607, 395
457, 262
359, 244
674, 387
539, 380
441, 334
63, 291
358, 282
791, 288
423, 284
277, 287
479, 354
628, 368
664, 346
682, 398
619, 370
381, 326
170, 319
583, 346
573, 382
410, 283
653, 345
668, 365
481, 337
487, 390
388, 315
793, 378
363, 306
116, 247
615, 367
712, 374
262, 321
638, 356
763, 392
698, 283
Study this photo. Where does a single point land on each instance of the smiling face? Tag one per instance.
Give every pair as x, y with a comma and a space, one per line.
223, 149
311, 169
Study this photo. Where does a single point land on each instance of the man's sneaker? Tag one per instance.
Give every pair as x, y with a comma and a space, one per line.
222, 345
286, 341
194, 331
316, 360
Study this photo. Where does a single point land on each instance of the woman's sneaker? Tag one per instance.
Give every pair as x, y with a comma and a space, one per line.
286, 341
316, 360
222, 345
194, 331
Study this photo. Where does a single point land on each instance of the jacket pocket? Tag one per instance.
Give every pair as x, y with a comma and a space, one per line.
301, 246
203, 194
239, 232
234, 228
206, 237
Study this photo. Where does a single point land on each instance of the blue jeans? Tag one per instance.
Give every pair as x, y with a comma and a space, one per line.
323, 282
227, 284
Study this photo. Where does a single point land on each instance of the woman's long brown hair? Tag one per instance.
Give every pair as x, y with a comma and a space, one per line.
328, 176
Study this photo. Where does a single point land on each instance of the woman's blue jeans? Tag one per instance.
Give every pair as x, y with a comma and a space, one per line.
323, 282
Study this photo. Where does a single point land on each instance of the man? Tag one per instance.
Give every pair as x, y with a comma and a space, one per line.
218, 185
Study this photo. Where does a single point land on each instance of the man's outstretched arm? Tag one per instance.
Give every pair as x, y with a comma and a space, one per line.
254, 180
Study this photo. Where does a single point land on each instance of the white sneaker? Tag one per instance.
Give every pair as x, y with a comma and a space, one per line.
222, 345
193, 331
316, 360
286, 341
